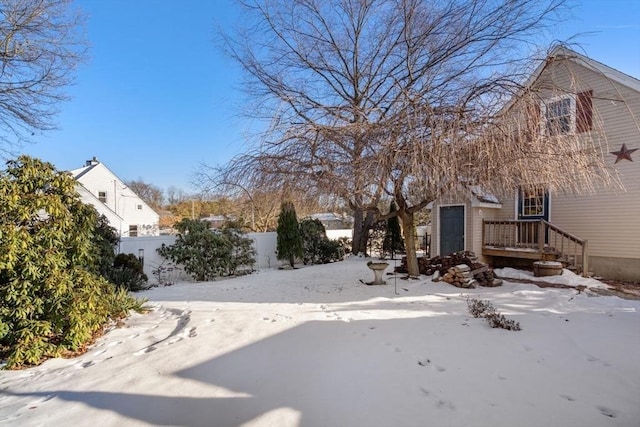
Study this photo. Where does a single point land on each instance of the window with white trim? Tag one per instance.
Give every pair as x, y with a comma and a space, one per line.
568, 114
133, 231
532, 203
560, 116
102, 196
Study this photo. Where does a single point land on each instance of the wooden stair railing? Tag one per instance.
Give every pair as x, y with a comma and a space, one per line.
525, 235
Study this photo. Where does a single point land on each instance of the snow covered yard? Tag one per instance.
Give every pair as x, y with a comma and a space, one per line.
315, 347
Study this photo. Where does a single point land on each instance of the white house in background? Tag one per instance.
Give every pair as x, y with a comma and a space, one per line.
126, 212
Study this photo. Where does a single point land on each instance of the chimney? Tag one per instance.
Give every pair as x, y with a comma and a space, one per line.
92, 162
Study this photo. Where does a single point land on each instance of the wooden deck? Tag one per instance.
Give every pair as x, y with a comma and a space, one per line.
534, 240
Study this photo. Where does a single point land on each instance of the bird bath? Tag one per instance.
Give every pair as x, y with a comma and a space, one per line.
377, 268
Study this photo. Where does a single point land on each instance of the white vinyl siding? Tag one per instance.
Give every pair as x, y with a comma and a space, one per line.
119, 198
609, 218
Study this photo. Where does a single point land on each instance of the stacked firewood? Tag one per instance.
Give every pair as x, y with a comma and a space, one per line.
459, 276
485, 277
460, 269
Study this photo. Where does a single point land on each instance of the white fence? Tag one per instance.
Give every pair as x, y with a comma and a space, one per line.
146, 247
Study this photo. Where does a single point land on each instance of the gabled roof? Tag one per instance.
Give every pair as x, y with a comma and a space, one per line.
93, 164
482, 195
83, 191
78, 173
563, 52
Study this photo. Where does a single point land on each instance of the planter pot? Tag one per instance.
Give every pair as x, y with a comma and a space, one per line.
547, 268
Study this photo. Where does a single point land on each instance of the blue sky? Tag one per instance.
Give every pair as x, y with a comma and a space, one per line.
157, 98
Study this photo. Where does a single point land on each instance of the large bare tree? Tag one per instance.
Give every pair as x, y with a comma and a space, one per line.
385, 98
41, 43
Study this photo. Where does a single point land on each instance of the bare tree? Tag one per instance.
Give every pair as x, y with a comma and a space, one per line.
176, 195
255, 203
330, 75
151, 194
394, 98
41, 44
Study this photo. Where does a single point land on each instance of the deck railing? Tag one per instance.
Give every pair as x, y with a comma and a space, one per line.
537, 236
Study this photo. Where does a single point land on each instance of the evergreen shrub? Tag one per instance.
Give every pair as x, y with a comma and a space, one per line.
207, 254
128, 273
289, 239
53, 302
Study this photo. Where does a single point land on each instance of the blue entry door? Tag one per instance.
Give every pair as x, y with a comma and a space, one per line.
451, 229
532, 205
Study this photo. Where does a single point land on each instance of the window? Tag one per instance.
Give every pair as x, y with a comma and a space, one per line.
560, 117
133, 231
532, 203
102, 196
568, 114
139, 207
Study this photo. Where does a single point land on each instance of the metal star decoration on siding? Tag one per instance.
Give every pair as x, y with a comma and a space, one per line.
623, 153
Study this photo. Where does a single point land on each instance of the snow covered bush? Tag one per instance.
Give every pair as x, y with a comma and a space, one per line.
480, 308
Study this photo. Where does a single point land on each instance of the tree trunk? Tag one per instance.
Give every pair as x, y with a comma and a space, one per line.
409, 242
366, 226
356, 242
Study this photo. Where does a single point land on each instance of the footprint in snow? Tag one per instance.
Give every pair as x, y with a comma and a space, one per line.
607, 412
445, 404
144, 350
427, 362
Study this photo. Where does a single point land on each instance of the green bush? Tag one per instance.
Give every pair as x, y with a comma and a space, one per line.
127, 273
313, 234
53, 300
242, 252
289, 241
330, 251
206, 254
393, 241
318, 249
105, 239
